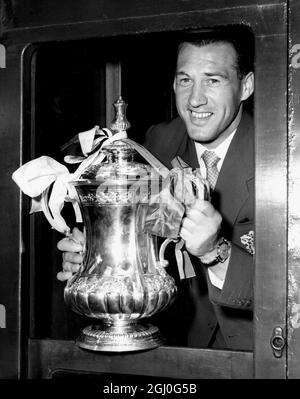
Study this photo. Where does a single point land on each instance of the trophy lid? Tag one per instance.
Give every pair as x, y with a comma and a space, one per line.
119, 165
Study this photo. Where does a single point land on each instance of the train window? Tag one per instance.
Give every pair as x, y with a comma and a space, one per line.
73, 84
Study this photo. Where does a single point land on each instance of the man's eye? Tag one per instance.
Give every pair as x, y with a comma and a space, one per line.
184, 82
212, 82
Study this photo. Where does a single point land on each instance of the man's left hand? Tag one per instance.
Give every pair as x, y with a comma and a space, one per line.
200, 228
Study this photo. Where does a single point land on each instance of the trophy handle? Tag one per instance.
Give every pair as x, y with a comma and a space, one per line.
162, 249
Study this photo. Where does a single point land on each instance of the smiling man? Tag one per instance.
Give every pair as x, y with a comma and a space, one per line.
213, 78
209, 90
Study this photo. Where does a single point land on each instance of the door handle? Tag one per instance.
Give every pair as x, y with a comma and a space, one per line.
277, 342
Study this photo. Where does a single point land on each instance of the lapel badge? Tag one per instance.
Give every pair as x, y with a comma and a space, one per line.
248, 241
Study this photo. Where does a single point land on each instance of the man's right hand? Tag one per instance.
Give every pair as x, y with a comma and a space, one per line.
72, 248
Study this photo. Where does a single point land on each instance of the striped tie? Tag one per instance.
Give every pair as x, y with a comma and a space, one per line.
211, 159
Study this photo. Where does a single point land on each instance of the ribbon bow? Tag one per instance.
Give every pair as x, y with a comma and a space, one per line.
36, 177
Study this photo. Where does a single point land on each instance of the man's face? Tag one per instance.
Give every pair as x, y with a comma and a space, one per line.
208, 91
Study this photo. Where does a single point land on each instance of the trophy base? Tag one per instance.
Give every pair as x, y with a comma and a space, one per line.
120, 336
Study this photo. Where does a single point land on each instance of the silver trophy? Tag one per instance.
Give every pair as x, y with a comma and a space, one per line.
122, 281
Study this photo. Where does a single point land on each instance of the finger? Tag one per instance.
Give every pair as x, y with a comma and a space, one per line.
78, 235
69, 245
195, 214
72, 257
71, 267
63, 276
202, 206
184, 234
188, 224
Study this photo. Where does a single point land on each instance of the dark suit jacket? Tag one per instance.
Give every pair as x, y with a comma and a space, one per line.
200, 306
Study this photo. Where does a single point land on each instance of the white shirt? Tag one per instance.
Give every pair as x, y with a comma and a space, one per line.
220, 151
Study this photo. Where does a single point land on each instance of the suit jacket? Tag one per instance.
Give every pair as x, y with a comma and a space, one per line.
200, 306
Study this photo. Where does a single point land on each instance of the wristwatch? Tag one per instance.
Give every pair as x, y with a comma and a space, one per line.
223, 251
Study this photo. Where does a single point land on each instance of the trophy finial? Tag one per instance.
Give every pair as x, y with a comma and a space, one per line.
120, 122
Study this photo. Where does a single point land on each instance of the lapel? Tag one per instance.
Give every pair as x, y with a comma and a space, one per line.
187, 151
232, 188
170, 141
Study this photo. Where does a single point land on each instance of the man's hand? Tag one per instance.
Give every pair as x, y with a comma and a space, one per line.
72, 248
200, 228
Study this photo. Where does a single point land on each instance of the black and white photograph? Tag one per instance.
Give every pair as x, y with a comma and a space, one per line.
150, 195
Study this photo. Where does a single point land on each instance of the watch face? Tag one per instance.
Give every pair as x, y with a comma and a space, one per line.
222, 253
223, 250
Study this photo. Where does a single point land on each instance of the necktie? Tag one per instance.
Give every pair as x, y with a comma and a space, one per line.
211, 159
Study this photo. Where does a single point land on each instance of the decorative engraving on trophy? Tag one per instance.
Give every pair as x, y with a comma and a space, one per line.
106, 197
111, 296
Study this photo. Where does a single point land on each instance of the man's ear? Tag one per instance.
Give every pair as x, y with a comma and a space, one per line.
174, 84
247, 86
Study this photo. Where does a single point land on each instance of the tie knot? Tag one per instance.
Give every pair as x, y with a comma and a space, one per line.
210, 158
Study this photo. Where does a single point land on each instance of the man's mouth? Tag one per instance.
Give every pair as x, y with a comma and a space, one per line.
201, 115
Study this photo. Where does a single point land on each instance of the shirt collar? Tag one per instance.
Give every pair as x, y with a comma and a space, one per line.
220, 150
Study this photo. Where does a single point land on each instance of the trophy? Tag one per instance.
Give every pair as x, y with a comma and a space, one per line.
122, 281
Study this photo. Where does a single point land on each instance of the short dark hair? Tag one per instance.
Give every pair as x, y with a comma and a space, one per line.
239, 36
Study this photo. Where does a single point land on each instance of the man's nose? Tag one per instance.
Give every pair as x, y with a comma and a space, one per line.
198, 96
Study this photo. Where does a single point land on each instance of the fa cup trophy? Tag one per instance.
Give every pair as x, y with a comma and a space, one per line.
122, 281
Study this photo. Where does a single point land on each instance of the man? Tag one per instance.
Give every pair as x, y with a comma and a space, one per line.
213, 308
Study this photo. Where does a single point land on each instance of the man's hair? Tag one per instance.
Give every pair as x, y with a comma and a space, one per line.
239, 36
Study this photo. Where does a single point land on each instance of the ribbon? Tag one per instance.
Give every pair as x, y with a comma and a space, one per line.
35, 178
